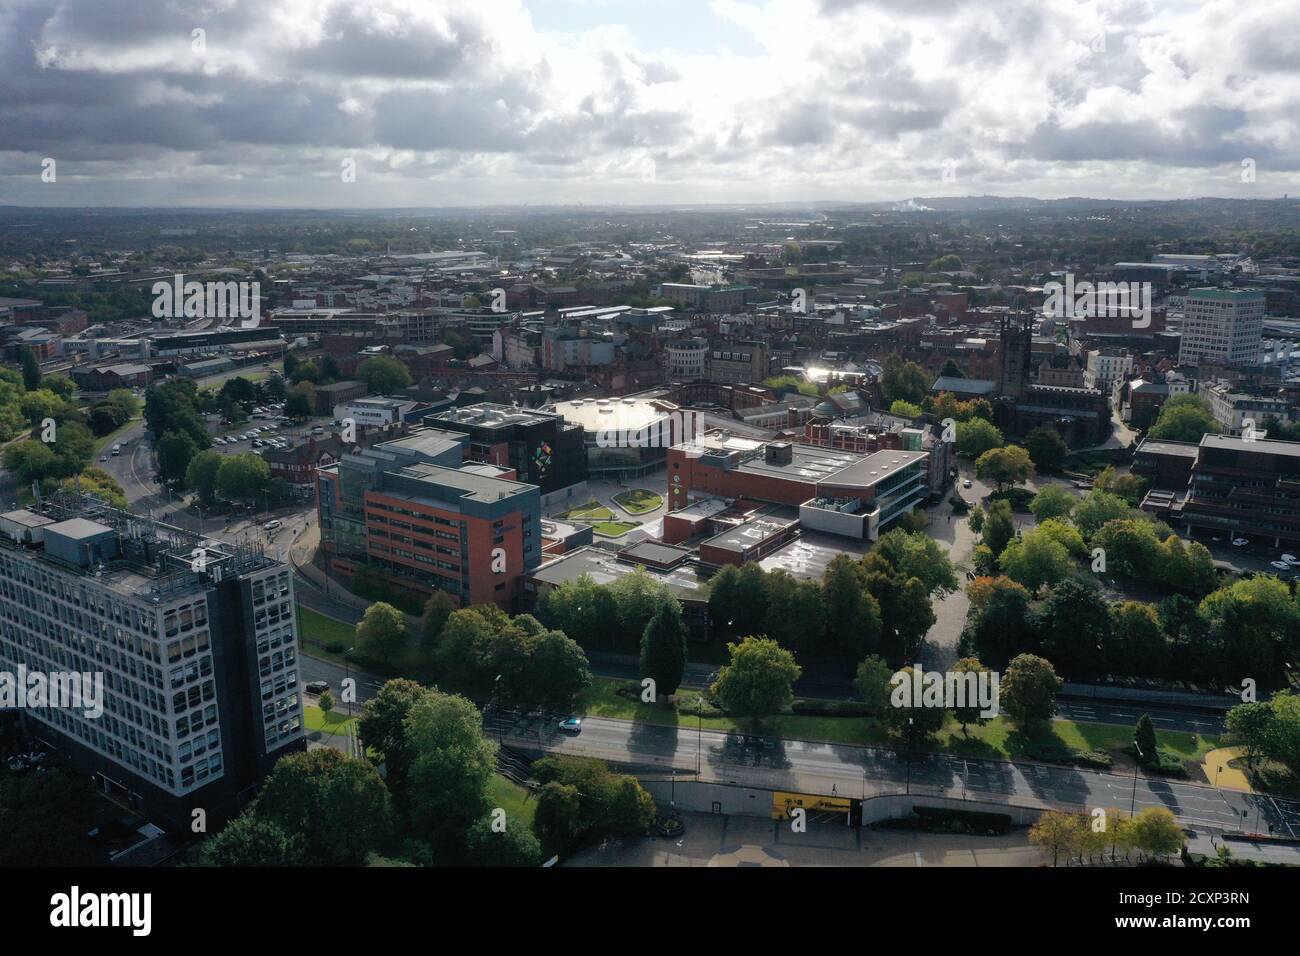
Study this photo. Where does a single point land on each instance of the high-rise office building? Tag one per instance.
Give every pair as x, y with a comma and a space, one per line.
1222, 327
194, 642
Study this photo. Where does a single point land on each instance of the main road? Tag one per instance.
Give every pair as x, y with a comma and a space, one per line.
775, 763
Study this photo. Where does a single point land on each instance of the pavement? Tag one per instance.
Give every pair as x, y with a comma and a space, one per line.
714, 840
817, 767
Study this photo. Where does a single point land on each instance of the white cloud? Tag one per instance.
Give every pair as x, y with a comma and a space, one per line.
466, 100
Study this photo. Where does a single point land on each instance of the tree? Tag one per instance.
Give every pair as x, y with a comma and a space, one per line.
1137, 645
1035, 560
437, 609
304, 372
513, 846
97, 482
758, 681
663, 650
638, 597
1009, 465
914, 721
852, 614
917, 555
1256, 622
997, 627
337, 806
1250, 725
999, 526
384, 375
1028, 691
1047, 449
326, 703
30, 460
873, 683
1144, 739
201, 474
31, 369
242, 477
738, 598
905, 409
1056, 833
904, 380
1052, 501
556, 671
977, 436
451, 764
582, 609
175, 452
1129, 487
1185, 417
298, 405
382, 728
796, 616
248, 841
1157, 831
381, 632
587, 800
1096, 509
970, 711
1074, 626
1186, 567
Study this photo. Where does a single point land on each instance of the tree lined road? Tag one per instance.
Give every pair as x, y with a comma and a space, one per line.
811, 767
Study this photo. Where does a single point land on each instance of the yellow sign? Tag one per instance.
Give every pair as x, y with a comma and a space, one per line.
783, 803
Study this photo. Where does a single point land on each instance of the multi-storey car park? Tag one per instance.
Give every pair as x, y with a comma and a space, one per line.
195, 641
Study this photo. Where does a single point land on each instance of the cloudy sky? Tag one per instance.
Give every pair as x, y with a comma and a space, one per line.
447, 102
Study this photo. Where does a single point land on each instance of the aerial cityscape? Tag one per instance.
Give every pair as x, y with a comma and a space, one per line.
534, 434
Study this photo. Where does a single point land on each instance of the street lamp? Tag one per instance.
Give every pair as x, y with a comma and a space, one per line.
1132, 807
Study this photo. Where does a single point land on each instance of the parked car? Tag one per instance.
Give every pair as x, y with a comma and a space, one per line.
317, 687
1290, 559
966, 483
1281, 565
273, 524
1240, 542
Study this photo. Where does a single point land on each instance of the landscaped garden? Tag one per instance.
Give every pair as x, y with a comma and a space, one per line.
614, 529
638, 501
593, 510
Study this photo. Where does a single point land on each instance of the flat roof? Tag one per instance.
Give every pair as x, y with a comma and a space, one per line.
614, 414
1261, 445
79, 529
834, 466
808, 555
654, 553
747, 534
28, 518
471, 484
604, 567
1186, 449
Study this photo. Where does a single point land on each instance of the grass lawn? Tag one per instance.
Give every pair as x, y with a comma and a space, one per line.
614, 529
337, 722
517, 802
591, 511
637, 501
998, 739
315, 630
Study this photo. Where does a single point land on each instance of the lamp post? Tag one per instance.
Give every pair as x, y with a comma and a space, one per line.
1132, 807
